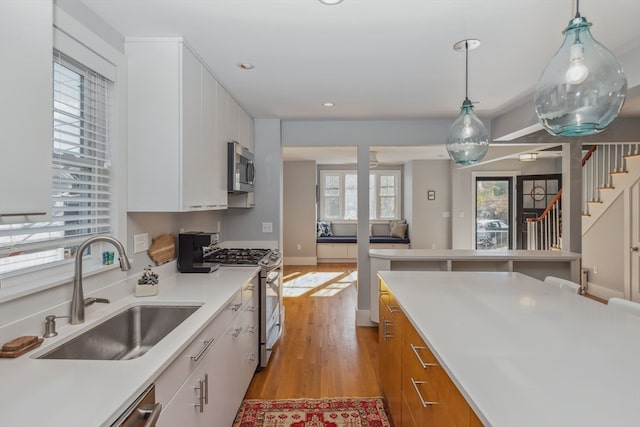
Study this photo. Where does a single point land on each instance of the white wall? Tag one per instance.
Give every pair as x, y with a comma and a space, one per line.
299, 212
246, 224
429, 220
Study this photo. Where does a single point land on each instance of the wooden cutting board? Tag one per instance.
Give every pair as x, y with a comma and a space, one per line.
162, 249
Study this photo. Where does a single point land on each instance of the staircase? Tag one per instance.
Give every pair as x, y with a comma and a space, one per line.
607, 169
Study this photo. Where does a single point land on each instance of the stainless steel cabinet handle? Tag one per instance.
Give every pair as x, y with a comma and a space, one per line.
206, 389
250, 287
251, 308
634, 249
236, 332
200, 403
207, 344
423, 363
151, 412
424, 402
251, 329
236, 307
195, 206
390, 308
385, 332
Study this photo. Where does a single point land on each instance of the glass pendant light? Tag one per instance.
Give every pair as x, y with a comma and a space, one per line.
583, 87
468, 139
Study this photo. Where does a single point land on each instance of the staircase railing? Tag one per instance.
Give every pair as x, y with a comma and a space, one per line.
599, 164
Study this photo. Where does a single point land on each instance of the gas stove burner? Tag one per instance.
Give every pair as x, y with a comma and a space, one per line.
232, 256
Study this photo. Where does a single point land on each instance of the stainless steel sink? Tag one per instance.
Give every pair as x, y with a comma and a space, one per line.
127, 335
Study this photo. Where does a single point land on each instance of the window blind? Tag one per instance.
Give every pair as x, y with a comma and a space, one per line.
81, 171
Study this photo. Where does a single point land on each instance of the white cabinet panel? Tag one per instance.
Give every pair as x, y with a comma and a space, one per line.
25, 113
173, 166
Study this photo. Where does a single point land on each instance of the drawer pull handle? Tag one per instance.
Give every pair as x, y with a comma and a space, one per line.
251, 308
236, 332
207, 344
236, 307
425, 404
206, 389
424, 364
250, 288
200, 403
385, 332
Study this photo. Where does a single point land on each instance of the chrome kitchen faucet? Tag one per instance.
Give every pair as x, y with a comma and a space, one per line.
78, 301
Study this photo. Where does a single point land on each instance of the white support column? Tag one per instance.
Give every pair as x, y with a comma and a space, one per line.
572, 197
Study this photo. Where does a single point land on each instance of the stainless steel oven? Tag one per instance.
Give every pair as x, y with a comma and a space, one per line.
270, 292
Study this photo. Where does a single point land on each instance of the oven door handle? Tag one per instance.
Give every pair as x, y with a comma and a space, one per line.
151, 413
273, 275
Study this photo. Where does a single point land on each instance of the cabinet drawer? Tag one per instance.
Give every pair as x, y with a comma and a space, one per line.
419, 364
168, 383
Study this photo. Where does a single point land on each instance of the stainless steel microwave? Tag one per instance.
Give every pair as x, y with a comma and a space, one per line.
241, 170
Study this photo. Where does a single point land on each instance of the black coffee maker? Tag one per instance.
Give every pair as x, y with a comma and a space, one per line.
193, 248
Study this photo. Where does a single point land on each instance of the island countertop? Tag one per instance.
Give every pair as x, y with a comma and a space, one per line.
524, 353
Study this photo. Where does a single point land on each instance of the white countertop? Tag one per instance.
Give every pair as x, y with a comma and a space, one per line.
84, 393
471, 254
524, 353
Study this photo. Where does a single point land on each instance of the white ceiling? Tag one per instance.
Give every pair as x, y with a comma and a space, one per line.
375, 59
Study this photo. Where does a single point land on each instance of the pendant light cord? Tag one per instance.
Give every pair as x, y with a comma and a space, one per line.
577, 8
466, 68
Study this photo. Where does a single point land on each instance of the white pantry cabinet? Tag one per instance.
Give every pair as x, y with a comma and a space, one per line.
25, 113
175, 153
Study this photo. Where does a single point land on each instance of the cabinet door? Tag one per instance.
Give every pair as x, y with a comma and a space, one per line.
154, 108
390, 341
184, 409
193, 150
25, 113
214, 173
234, 121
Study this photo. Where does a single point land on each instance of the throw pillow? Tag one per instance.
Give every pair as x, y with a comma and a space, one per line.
399, 230
324, 229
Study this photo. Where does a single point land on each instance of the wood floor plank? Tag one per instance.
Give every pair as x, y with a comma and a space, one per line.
322, 353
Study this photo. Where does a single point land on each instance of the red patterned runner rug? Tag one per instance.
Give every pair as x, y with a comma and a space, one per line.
352, 412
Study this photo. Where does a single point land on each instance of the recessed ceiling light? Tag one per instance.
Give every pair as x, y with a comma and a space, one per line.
246, 66
328, 104
330, 2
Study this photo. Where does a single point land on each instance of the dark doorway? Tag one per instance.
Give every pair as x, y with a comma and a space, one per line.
534, 193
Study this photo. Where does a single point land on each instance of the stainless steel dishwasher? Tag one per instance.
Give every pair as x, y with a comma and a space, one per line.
144, 412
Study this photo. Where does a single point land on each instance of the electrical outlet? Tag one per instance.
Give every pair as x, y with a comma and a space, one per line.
267, 227
140, 242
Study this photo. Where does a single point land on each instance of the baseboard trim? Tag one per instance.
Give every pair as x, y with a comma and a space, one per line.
300, 260
603, 292
363, 318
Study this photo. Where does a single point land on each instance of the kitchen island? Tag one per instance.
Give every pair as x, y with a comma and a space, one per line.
69, 393
521, 352
538, 264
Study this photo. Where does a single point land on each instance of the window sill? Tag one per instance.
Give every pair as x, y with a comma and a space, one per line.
26, 284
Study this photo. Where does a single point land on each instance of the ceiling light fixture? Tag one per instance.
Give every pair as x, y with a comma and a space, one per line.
328, 104
528, 157
373, 159
330, 2
468, 139
246, 66
583, 87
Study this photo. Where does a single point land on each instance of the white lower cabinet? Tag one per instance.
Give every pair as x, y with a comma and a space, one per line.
217, 382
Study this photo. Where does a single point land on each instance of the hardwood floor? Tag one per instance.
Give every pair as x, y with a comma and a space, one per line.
321, 353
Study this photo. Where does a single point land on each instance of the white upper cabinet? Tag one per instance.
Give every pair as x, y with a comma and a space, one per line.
25, 113
174, 150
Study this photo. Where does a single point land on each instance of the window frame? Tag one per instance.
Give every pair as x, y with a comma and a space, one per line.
374, 176
97, 54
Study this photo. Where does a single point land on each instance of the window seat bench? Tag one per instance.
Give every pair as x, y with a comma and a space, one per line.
345, 248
